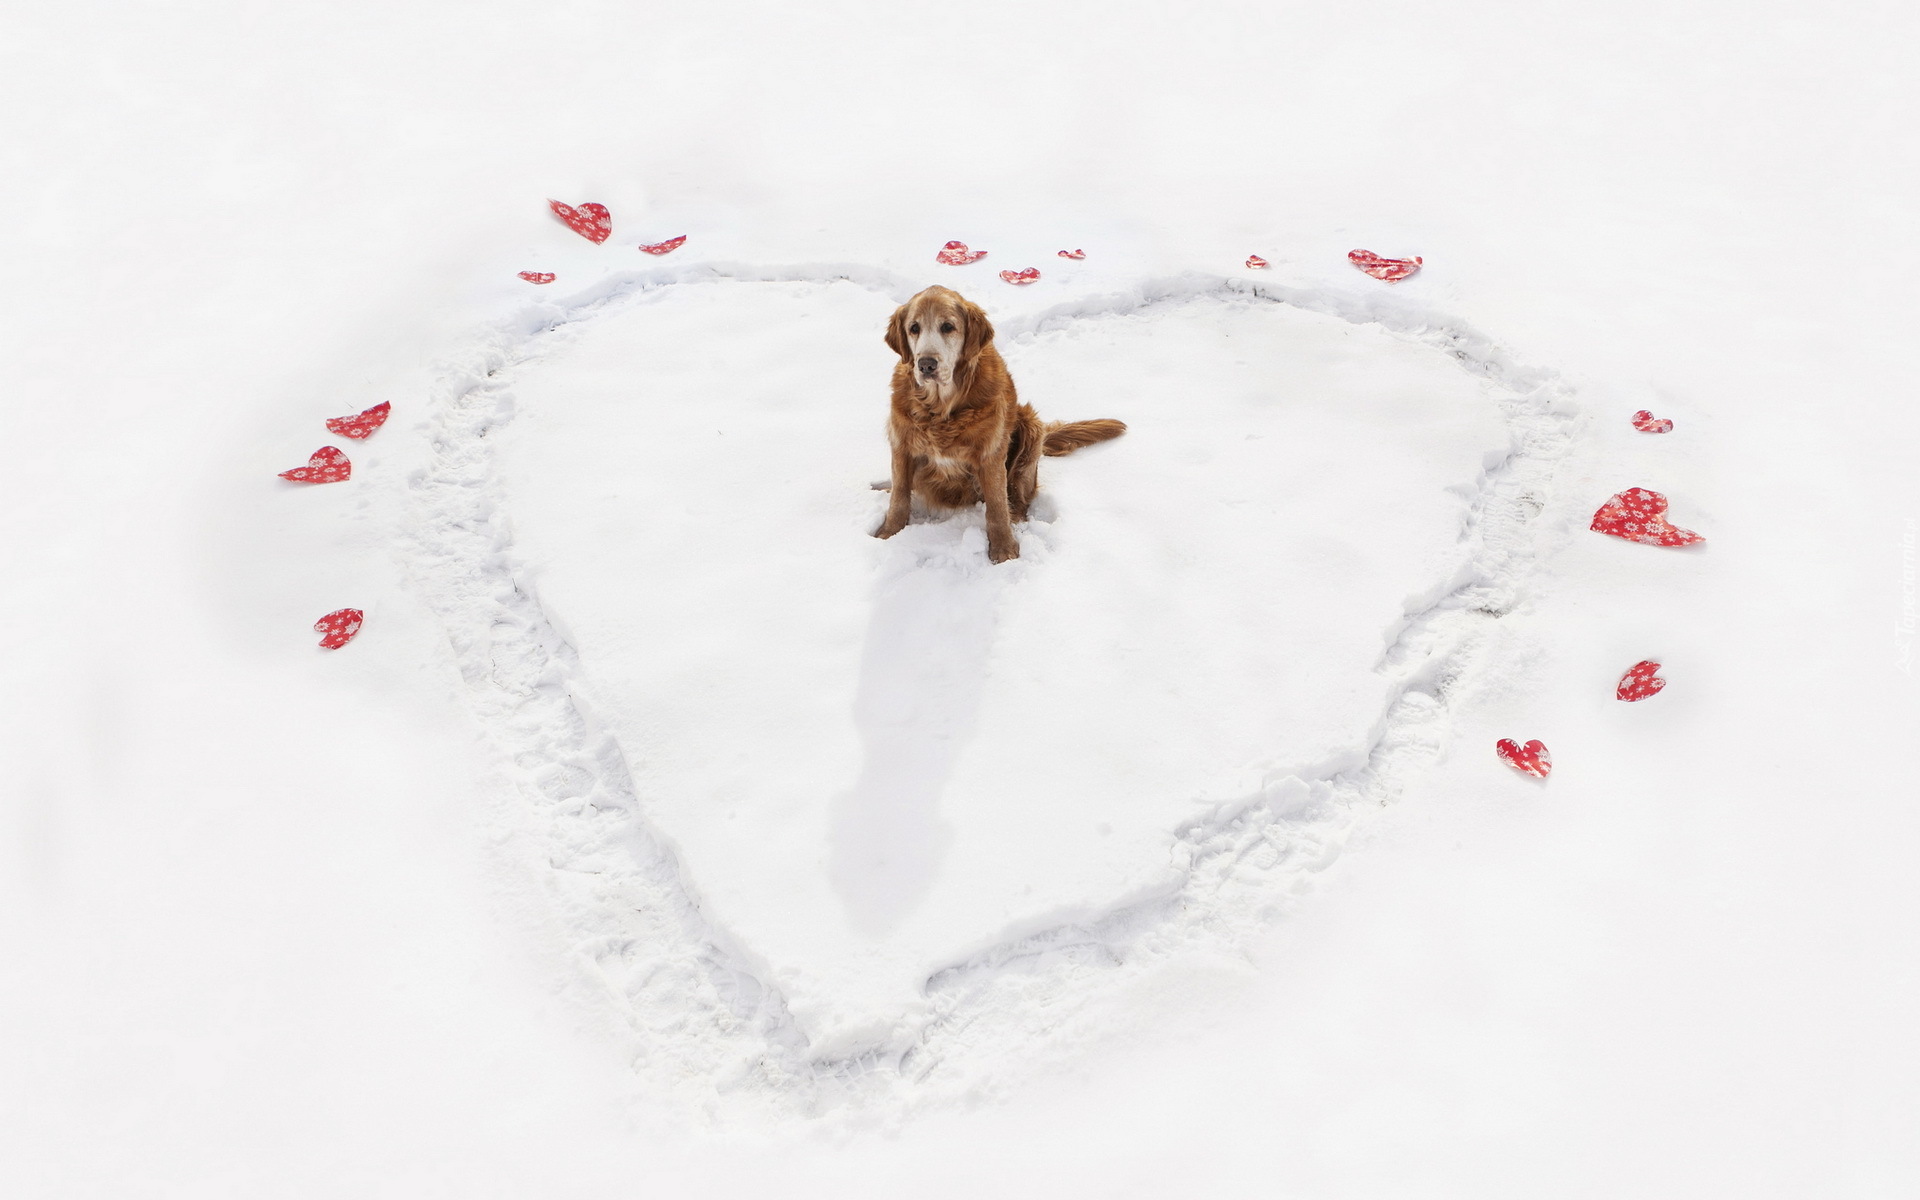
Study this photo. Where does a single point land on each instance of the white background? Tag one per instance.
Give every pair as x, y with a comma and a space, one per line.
257, 940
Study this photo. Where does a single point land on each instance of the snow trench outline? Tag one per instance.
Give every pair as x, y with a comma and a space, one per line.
695, 1005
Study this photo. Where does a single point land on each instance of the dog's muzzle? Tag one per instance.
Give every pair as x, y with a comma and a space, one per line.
929, 367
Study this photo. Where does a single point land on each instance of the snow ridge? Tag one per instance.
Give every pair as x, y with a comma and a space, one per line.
695, 1008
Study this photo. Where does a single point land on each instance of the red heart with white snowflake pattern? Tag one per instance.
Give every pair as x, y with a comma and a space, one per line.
1646, 422
1076, 254
1256, 262
666, 247
1530, 759
1023, 276
591, 221
956, 254
1390, 269
361, 425
340, 626
1640, 681
327, 465
1639, 515
537, 276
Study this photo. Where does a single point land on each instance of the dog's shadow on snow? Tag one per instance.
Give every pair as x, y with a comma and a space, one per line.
922, 673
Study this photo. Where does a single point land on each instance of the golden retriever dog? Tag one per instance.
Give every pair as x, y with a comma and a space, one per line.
959, 433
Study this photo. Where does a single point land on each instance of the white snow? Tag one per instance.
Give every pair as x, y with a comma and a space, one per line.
876, 757
663, 830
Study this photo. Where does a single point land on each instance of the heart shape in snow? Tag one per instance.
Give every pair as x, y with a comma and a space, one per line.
360, 426
956, 254
340, 626
1641, 680
1392, 270
1073, 254
1640, 515
591, 221
666, 247
537, 276
1646, 422
327, 465
1023, 276
828, 727
1530, 759
1256, 262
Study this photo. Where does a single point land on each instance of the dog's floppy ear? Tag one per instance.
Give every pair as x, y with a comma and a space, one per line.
897, 332
979, 332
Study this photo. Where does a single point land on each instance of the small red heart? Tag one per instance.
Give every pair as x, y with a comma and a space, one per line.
340, 626
1256, 262
1390, 269
537, 276
326, 466
1646, 422
666, 247
1023, 276
1639, 515
1531, 759
361, 425
591, 221
956, 254
1073, 254
1640, 681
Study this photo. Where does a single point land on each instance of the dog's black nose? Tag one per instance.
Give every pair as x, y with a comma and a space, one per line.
929, 366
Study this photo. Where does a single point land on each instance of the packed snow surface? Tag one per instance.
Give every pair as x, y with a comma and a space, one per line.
877, 755
660, 830
829, 815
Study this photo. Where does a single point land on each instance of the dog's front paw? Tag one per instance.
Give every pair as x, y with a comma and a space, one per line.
889, 528
1000, 551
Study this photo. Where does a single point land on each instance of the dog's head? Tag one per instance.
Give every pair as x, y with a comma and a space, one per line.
937, 333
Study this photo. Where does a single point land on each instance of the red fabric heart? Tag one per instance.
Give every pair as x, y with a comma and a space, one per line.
1073, 254
360, 425
1023, 276
1639, 515
1390, 269
666, 247
1531, 759
340, 626
1640, 681
326, 466
1646, 422
591, 221
1256, 262
956, 254
537, 276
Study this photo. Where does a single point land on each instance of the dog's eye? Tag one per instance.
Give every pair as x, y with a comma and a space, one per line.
914, 328
946, 327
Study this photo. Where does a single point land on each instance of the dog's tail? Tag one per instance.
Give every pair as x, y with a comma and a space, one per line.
1064, 437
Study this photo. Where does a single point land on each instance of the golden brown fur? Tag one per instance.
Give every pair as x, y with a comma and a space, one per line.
959, 433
